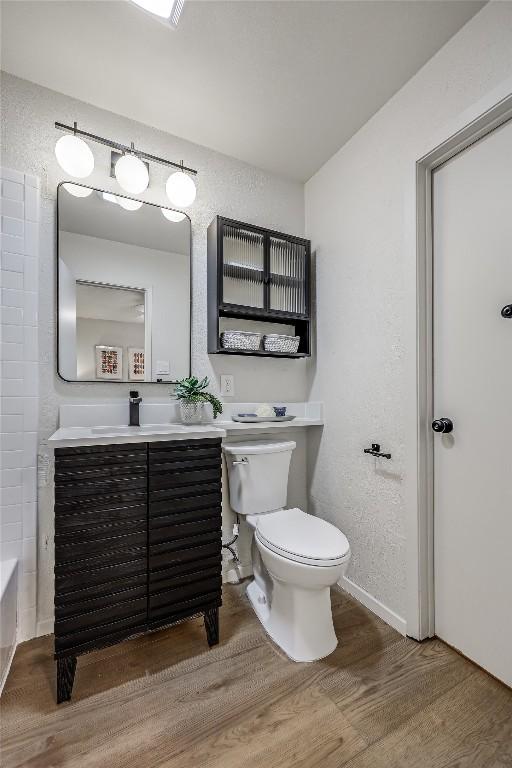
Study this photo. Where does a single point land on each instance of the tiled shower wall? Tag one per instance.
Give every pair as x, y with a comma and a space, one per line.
19, 203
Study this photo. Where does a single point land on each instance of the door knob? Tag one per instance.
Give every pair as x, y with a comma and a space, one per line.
442, 425
506, 312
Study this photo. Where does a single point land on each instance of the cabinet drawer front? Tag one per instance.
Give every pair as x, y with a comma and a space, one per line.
189, 516
91, 512
68, 579
160, 504
101, 451
91, 545
178, 479
85, 564
104, 634
171, 613
80, 475
162, 557
95, 594
172, 597
103, 485
179, 572
107, 602
96, 531
165, 581
118, 610
163, 448
175, 532
175, 460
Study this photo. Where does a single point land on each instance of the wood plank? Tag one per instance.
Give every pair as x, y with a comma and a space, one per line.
166, 701
384, 689
470, 726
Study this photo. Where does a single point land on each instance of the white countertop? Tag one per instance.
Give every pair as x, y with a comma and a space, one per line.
79, 423
66, 437
239, 426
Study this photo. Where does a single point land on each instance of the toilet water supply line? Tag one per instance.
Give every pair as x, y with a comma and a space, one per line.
229, 544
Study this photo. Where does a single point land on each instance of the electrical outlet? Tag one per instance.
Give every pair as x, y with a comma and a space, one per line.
227, 385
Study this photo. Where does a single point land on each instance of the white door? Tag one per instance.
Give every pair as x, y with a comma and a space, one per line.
472, 251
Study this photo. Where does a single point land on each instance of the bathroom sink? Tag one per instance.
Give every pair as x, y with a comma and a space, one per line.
142, 430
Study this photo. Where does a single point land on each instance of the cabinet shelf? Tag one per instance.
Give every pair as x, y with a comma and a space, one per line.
258, 353
257, 275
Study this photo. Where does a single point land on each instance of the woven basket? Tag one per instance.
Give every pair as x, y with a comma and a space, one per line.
240, 340
274, 342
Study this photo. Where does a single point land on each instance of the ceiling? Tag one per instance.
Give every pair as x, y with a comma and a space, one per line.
279, 85
120, 305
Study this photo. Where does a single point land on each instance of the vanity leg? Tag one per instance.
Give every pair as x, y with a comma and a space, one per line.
211, 624
65, 678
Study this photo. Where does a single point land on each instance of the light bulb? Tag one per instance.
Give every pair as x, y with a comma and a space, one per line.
74, 156
77, 191
180, 189
132, 174
174, 216
127, 204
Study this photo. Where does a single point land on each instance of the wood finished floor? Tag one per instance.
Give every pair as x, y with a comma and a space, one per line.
379, 701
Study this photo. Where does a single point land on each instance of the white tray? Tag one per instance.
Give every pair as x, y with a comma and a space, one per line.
256, 419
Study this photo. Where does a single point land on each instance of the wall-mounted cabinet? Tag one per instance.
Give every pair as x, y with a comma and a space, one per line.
261, 276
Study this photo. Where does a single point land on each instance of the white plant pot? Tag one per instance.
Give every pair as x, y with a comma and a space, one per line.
191, 413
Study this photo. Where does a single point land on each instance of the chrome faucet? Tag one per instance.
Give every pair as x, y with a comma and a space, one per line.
135, 401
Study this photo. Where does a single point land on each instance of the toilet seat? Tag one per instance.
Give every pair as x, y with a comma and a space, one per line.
302, 538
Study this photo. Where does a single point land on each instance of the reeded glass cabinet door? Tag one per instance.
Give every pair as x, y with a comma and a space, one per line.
243, 267
287, 276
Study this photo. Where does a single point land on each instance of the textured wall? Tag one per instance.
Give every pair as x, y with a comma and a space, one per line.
360, 214
19, 389
225, 186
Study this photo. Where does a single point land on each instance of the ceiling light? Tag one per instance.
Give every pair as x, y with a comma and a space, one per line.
132, 174
127, 204
180, 189
165, 10
77, 191
175, 216
74, 156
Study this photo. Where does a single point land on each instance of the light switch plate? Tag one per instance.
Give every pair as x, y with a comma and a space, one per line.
227, 385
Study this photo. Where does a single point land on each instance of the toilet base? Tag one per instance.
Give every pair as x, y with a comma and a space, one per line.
299, 621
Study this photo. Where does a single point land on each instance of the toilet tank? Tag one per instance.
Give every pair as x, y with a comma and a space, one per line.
258, 475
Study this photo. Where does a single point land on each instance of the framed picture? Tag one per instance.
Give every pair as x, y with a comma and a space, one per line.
135, 364
109, 362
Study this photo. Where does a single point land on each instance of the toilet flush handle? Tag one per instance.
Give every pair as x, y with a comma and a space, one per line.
243, 460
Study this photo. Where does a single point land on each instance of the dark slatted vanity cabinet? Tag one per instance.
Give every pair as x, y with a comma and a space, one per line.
137, 543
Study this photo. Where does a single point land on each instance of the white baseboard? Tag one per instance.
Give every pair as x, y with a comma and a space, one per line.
374, 605
44, 627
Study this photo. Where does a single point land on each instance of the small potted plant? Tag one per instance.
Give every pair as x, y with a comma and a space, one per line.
192, 395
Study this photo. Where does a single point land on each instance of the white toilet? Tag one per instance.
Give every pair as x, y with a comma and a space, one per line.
296, 557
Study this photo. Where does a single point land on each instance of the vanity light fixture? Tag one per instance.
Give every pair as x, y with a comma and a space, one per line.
77, 190
180, 189
132, 174
168, 11
174, 216
74, 156
131, 169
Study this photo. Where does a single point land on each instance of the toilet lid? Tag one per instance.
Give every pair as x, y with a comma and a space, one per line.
302, 537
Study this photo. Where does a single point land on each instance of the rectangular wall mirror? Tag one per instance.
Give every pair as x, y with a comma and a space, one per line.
123, 288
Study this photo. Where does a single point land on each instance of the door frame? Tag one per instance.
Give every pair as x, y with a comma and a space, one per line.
420, 618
